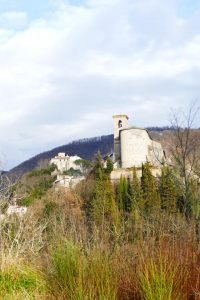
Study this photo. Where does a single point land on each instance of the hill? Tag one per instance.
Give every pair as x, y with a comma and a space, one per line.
85, 148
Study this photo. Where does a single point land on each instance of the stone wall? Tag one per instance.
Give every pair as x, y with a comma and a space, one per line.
137, 148
128, 173
67, 181
134, 143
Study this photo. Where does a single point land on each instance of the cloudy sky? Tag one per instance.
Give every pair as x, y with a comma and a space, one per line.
67, 66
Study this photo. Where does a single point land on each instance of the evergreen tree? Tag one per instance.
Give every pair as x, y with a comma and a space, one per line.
188, 203
123, 198
103, 203
135, 193
120, 194
98, 170
167, 189
109, 167
126, 198
149, 190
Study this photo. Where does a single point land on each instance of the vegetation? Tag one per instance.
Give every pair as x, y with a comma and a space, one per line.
33, 185
133, 239
73, 172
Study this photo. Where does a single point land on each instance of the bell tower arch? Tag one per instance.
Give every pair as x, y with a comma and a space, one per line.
120, 122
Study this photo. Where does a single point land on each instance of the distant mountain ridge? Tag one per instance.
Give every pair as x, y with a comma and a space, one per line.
85, 148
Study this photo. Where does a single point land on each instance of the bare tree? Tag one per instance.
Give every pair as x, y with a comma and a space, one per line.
6, 188
7, 194
185, 149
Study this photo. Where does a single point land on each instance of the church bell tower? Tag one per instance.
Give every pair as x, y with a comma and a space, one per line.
120, 122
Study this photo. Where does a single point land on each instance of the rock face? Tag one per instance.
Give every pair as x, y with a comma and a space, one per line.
133, 146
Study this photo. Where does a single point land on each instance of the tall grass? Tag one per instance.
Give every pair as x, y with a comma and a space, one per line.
100, 278
19, 279
57, 257
67, 270
76, 275
157, 280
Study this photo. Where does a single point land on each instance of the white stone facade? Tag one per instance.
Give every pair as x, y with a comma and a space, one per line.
133, 146
65, 162
18, 210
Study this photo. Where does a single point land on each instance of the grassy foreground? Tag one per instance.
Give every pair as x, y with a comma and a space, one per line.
52, 253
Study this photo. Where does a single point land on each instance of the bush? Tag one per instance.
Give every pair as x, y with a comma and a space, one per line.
50, 207
44, 171
73, 172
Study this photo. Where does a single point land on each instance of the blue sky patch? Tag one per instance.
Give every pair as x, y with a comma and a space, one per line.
188, 7
34, 8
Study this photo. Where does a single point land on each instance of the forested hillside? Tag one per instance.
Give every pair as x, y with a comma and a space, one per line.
85, 148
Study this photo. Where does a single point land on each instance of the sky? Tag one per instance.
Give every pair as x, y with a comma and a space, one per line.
67, 66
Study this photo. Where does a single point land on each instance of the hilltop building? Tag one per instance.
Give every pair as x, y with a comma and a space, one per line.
133, 146
65, 162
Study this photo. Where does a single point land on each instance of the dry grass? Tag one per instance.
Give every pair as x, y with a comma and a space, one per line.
51, 254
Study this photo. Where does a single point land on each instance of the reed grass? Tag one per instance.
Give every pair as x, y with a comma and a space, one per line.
19, 279
60, 257
157, 280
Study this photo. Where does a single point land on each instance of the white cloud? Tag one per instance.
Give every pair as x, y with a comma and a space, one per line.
63, 77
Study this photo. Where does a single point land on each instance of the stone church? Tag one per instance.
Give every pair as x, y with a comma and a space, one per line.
133, 146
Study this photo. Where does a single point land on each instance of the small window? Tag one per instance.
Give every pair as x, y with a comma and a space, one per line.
120, 124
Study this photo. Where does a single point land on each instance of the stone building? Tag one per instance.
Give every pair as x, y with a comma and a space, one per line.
65, 162
133, 146
67, 181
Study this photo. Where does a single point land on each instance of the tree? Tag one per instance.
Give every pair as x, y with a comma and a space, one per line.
104, 206
86, 165
119, 196
98, 168
185, 150
167, 189
5, 187
122, 194
103, 203
109, 166
149, 190
135, 193
7, 193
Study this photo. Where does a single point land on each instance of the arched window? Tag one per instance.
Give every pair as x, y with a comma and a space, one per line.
120, 124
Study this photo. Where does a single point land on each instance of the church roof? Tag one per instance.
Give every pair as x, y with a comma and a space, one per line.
140, 128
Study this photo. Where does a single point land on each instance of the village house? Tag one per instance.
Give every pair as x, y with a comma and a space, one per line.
65, 162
